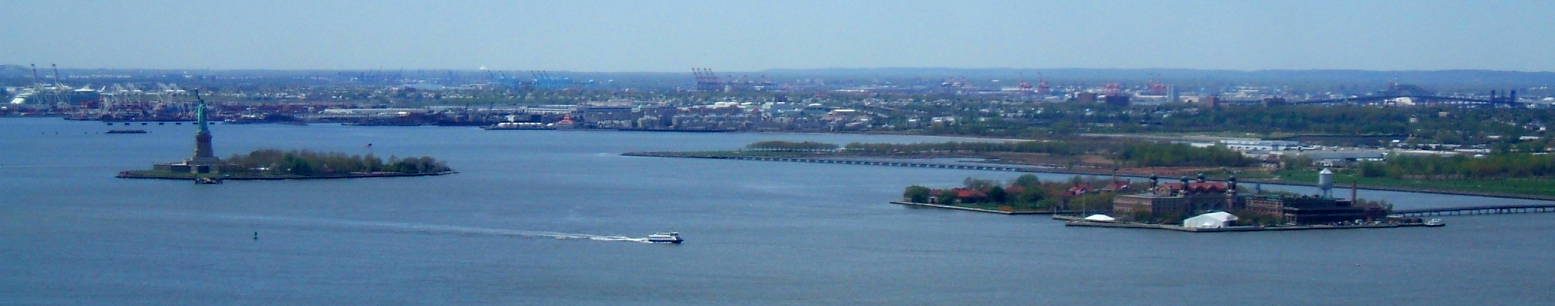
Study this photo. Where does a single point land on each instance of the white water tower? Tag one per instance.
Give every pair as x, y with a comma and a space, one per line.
1325, 180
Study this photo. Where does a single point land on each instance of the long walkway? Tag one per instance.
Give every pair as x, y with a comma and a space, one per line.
1476, 210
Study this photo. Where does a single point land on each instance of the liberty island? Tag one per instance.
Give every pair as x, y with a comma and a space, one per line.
270, 164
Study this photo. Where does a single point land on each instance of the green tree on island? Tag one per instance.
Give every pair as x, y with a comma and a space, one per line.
978, 184
1027, 181
997, 195
310, 163
1026, 192
917, 194
790, 146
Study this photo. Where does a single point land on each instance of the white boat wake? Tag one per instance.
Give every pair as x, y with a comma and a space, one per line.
465, 230
395, 227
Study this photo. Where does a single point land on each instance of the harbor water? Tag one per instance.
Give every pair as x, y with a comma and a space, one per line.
559, 217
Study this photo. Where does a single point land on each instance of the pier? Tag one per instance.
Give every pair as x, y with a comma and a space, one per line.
1476, 210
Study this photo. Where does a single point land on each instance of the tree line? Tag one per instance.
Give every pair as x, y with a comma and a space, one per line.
1513, 165
304, 162
1178, 155
1051, 147
1024, 192
791, 146
1424, 124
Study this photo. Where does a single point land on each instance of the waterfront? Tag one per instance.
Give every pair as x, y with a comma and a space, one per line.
757, 232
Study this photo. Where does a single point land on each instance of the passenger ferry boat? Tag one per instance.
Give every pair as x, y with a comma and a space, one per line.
671, 237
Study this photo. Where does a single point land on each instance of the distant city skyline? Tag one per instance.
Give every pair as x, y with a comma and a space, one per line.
642, 36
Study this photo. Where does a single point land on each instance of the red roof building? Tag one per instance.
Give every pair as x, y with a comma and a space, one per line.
1192, 188
970, 194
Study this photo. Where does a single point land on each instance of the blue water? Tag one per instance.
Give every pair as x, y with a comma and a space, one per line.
556, 217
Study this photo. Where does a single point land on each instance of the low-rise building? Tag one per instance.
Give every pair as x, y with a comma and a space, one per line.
1343, 158
1293, 209
1259, 145
1149, 203
1179, 199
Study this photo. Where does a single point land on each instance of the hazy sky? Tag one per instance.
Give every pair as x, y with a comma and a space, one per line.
742, 36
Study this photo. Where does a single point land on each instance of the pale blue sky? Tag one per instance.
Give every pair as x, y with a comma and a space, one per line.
741, 36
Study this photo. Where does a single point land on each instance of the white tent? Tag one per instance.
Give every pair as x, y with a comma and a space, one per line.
1100, 218
1217, 219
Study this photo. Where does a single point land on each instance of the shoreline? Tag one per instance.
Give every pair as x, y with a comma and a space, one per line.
1078, 222
1003, 167
145, 176
983, 210
972, 138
